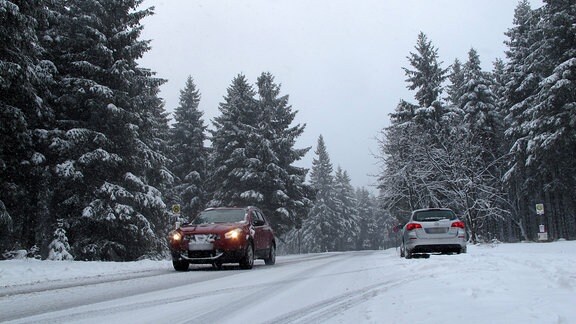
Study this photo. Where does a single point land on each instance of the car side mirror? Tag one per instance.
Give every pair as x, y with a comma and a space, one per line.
258, 222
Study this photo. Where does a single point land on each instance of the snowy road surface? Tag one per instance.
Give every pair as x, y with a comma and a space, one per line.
504, 283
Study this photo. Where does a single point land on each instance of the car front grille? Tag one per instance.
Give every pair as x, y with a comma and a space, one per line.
201, 238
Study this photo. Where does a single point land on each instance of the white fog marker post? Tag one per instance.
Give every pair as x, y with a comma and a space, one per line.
542, 234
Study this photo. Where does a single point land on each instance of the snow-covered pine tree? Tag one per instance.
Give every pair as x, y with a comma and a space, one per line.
503, 227
456, 78
346, 211
478, 103
398, 180
427, 76
521, 80
189, 153
321, 227
499, 80
155, 151
417, 132
109, 115
24, 114
544, 119
287, 197
428, 128
252, 153
234, 180
480, 163
58, 249
520, 83
370, 221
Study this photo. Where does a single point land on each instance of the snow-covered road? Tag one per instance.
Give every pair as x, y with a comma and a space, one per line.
504, 283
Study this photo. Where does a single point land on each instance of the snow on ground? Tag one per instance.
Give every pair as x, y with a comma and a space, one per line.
501, 283
32, 271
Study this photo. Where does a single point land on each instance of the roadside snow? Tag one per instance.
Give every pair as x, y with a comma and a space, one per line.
32, 271
501, 283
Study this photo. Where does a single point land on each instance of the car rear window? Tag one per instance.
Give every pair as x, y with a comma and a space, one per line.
220, 216
433, 215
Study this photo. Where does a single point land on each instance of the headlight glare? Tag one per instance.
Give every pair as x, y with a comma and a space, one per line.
233, 234
176, 236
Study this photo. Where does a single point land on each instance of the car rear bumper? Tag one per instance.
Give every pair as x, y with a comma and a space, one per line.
436, 245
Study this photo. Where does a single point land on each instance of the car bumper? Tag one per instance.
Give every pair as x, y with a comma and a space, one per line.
219, 255
436, 245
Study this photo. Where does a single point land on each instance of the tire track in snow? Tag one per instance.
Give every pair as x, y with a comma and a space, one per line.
331, 307
252, 293
263, 292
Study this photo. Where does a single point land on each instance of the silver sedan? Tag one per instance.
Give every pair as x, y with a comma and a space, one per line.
433, 230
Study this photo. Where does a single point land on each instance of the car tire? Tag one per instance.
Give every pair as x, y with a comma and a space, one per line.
247, 261
271, 259
402, 250
180, 265
463, 250
407, 254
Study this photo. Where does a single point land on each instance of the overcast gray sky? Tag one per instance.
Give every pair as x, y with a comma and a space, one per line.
340, 61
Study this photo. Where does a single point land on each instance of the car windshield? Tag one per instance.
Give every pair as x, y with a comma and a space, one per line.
220, 216
434, 215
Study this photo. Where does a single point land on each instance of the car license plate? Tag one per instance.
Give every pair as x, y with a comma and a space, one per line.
437, 230
196, 246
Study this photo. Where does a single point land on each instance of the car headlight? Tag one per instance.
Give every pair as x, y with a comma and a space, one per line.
233, 234
175, 236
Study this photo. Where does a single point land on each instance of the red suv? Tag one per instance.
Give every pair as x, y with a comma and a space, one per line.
224, 235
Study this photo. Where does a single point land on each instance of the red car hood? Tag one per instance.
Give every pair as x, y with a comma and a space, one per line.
210, 228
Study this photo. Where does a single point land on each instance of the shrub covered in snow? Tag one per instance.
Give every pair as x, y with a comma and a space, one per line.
58, 248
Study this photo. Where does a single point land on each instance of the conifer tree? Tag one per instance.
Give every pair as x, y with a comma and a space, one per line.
108, 147
480, 162
346, 212
24, 115
456, 79
287, 197
59, 247
189, 153
427, 76
478, 103
543, 121
416, 133
234, 181
369, 234
253, 153
320, 228
520, 83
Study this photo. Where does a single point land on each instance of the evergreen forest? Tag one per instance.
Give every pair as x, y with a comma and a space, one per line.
92, 162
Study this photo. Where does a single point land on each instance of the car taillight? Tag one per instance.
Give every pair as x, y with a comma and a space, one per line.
459, 224
413, 226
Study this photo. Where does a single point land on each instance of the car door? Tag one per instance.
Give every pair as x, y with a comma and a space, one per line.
262, 231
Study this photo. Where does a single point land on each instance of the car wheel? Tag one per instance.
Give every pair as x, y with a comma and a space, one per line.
402, 250
271, 259
180, 265
463, 250
407, 254
247, 261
